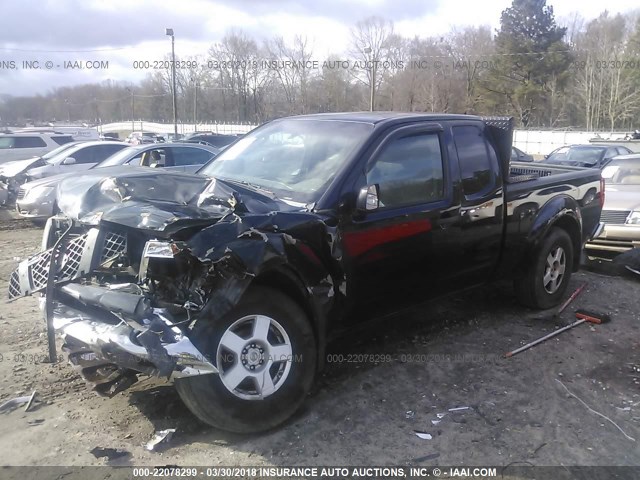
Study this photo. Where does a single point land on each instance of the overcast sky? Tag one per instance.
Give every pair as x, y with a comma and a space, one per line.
127, 30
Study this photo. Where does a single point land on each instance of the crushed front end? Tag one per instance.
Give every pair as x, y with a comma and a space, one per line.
112, 320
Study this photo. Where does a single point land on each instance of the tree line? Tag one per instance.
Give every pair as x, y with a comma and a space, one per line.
547, 73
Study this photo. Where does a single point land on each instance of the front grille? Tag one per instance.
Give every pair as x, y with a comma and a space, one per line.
39, 270
21, 193
114, 244
616, 217
14, 285
79, 256
72, 257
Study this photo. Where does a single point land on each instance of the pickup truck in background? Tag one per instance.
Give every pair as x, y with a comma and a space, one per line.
229, 282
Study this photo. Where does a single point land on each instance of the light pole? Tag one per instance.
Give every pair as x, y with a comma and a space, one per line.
372, 98
66, 101
169, 32
98, 116
133, 110
195, 103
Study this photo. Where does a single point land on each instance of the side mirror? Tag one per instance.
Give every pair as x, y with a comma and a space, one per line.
368, 199
69, 161
546, 156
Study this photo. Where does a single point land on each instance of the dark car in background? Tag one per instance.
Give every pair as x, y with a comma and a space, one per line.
213, 139
518, 155
589, 156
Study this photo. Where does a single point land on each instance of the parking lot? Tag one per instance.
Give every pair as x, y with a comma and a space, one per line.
535, 408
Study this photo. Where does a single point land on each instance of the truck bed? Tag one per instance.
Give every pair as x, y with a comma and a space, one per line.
527, 171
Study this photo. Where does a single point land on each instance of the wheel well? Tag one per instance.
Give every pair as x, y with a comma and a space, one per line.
293, 287
570, 225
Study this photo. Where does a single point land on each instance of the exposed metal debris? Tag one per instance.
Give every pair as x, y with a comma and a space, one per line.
160, 439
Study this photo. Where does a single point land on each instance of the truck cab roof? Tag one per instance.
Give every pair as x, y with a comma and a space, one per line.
379, 117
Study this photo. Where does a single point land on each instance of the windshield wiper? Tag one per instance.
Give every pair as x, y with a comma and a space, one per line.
252, 186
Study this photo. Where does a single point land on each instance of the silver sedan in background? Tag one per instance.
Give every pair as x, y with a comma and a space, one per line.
80, 157
621, 211
37, 199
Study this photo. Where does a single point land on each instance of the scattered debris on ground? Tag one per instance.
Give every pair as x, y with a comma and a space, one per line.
10, 405
109, 453
452, 351
160, 439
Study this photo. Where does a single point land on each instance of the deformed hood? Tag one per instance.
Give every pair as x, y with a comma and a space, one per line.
155, 200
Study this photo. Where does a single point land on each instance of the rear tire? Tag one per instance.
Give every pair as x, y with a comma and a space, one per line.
547, 277
269, 393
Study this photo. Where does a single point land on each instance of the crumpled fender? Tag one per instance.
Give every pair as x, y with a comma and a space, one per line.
239, 249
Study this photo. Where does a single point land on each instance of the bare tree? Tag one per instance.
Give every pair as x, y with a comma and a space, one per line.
370, 49
292, 66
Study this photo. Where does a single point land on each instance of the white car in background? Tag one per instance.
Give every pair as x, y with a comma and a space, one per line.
14, 173
17, 146
80, 157
37, 199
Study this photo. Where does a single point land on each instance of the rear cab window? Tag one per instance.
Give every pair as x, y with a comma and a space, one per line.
477, 160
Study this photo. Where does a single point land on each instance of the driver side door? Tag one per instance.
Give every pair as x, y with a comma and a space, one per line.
396, 244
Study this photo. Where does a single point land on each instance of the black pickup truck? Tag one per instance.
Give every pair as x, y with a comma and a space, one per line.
229, 282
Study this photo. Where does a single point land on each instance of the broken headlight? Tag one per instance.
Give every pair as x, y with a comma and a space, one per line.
158, 249
634, 218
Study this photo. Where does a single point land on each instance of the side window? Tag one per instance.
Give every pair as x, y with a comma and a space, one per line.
84, 155
29, 142
155, 158
6, 142
137, 160
475, 157
104, 151
62, 139
621, 151
409, 171
190, 156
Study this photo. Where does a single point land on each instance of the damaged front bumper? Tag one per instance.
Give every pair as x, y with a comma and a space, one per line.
111, 333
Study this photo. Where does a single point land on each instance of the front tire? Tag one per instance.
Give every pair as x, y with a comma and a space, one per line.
266, 353
547, 277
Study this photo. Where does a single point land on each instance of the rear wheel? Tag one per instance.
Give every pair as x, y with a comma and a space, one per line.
265, 352
547, 277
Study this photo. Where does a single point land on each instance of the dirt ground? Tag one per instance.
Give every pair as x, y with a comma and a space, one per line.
445, 355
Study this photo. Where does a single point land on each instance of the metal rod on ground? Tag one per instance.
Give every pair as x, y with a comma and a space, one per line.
570, 299
583, 316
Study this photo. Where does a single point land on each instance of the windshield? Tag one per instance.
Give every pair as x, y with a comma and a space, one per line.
622, 172
576, 156
48, 157
118, 158
295, 159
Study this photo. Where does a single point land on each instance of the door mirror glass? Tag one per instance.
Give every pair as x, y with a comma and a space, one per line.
69, 161
368, 199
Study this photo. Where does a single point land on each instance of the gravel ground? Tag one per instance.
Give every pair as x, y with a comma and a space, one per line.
447, 354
